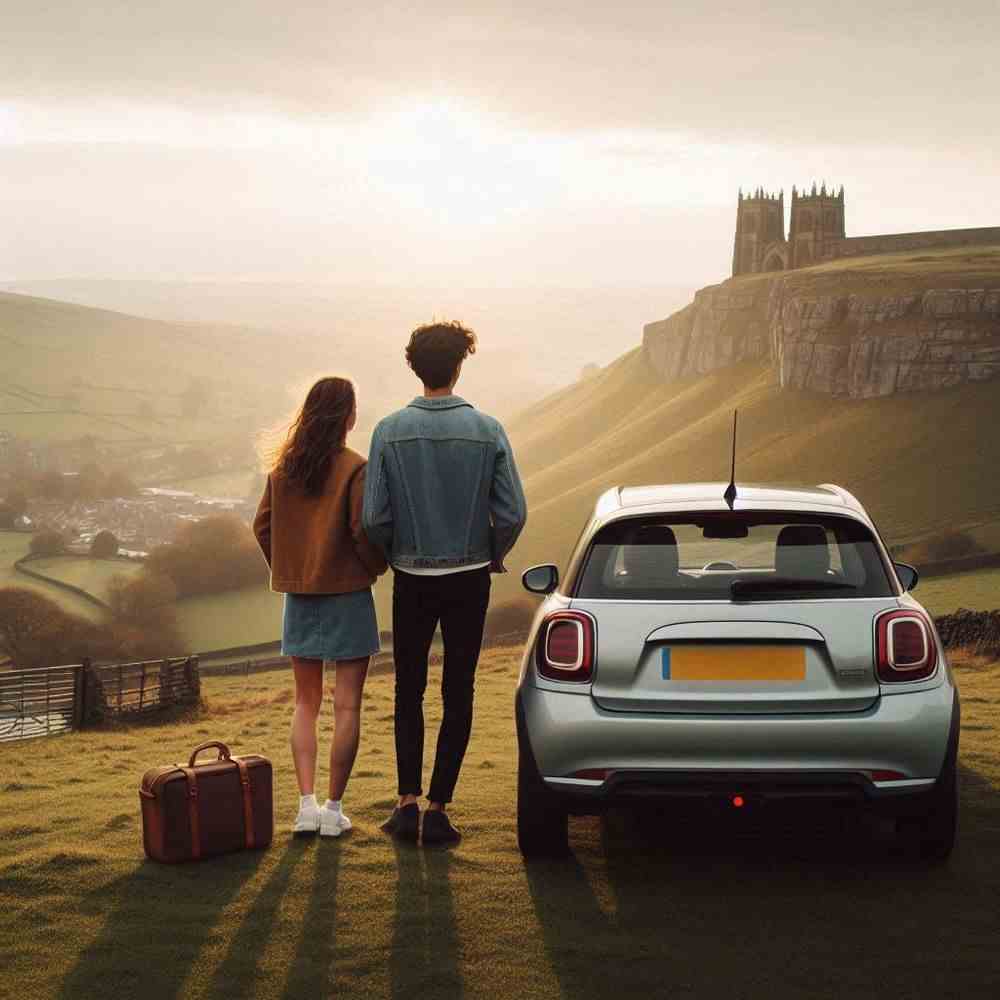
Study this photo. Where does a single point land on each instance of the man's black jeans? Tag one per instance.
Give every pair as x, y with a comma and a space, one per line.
458, 601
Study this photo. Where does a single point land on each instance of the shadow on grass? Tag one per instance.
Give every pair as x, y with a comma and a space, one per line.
425, 951
656, 902
160, 918
311, 971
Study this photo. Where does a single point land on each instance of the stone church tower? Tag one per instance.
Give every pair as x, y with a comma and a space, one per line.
817, 224
817, 220
760, 233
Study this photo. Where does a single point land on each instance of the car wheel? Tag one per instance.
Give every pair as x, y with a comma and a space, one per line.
542, 820
931, 835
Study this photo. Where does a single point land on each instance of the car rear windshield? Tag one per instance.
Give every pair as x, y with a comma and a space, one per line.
737, 556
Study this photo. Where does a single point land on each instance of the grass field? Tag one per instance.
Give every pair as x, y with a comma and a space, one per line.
232, 618
920, 463
640, 910
978, 590
91, 575
13, 546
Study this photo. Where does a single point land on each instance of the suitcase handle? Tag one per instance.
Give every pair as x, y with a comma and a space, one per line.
223, 750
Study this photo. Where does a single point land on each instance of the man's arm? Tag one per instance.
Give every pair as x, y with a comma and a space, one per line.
262, 522
370, 556
376, 508
508, 509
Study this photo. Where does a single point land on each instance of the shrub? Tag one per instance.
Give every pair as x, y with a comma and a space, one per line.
216, 554
17, 502
48, 543
37, 632
147, 599
104, 545
7, 517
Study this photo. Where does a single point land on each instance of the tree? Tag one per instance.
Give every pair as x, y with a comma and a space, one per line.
52, 485
104, 545
147, 599
36, 632
48, 543
218, 553
90, 482
17, 502
118, 484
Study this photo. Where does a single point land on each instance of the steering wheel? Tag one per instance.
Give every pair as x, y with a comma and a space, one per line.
721, 564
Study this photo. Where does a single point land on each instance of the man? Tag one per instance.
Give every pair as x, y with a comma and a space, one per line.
443, 500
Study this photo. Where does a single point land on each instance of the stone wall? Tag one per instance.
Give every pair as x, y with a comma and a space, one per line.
861, 246
858, 344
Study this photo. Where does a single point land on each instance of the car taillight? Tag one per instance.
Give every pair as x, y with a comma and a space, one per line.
565, 650
905, 646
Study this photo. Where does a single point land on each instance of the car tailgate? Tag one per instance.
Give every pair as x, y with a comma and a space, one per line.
718, 658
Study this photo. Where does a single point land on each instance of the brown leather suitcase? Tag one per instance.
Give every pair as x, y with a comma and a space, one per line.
210, 808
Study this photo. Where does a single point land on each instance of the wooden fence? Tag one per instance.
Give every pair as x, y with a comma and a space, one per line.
50, 700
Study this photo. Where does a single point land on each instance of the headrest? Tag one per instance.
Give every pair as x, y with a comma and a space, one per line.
801, 551
651, 553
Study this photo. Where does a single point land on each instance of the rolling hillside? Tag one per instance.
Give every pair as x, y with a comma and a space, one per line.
921, 463
70, 370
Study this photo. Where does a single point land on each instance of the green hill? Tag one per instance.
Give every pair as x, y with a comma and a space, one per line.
921, 463
71, 370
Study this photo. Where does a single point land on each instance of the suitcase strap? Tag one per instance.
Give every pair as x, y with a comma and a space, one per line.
247, 801
192, 784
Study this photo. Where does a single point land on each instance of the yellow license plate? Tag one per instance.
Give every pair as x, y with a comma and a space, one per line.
733, 663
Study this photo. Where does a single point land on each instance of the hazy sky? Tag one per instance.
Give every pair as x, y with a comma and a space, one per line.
572, 143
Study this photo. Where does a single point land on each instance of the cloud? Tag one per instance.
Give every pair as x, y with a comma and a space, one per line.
850, 72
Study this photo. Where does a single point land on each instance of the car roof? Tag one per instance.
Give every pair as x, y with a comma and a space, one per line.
709, 496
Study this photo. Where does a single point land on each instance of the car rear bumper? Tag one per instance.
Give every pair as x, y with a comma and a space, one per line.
765, 757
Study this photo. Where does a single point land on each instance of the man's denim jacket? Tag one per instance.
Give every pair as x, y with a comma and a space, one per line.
441, 488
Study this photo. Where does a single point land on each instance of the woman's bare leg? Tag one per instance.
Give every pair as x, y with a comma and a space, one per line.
308, 701
350, 685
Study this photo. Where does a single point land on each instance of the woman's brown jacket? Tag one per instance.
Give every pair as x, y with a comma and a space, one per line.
316, 545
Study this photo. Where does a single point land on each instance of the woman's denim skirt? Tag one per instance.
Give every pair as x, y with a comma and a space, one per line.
330, 626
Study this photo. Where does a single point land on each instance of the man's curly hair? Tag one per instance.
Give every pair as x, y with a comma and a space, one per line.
436, 350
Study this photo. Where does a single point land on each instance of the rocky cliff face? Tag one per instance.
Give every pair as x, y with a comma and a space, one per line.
835, 336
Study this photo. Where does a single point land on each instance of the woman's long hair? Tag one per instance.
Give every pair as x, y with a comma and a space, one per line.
318, 432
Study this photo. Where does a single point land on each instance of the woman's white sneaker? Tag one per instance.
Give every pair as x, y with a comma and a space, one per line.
308, 820
333, 822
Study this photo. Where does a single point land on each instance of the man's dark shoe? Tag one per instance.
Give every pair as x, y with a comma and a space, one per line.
404, 822
438, 828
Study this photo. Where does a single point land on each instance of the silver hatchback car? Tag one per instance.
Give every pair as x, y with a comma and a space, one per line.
742, 652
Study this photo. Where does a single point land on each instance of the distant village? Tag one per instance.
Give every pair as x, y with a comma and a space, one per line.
141, 520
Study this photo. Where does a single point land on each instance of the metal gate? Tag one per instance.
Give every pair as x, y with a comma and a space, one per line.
40, 702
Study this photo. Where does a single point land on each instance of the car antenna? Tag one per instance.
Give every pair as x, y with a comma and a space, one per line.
730, 495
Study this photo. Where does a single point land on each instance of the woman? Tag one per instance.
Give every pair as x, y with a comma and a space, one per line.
308, 525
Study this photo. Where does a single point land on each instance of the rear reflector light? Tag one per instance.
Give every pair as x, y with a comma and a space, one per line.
565, 650
887, 776
592, 774
564, 644
905, 646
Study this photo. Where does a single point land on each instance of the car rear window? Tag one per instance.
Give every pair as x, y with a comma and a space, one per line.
701, 556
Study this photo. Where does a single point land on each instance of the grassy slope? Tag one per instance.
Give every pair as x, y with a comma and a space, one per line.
712, 910
121, 362
92, 575
919, 463
14, 545
978, 590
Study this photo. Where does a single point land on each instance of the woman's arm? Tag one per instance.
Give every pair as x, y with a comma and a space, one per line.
262, 522
371, 557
